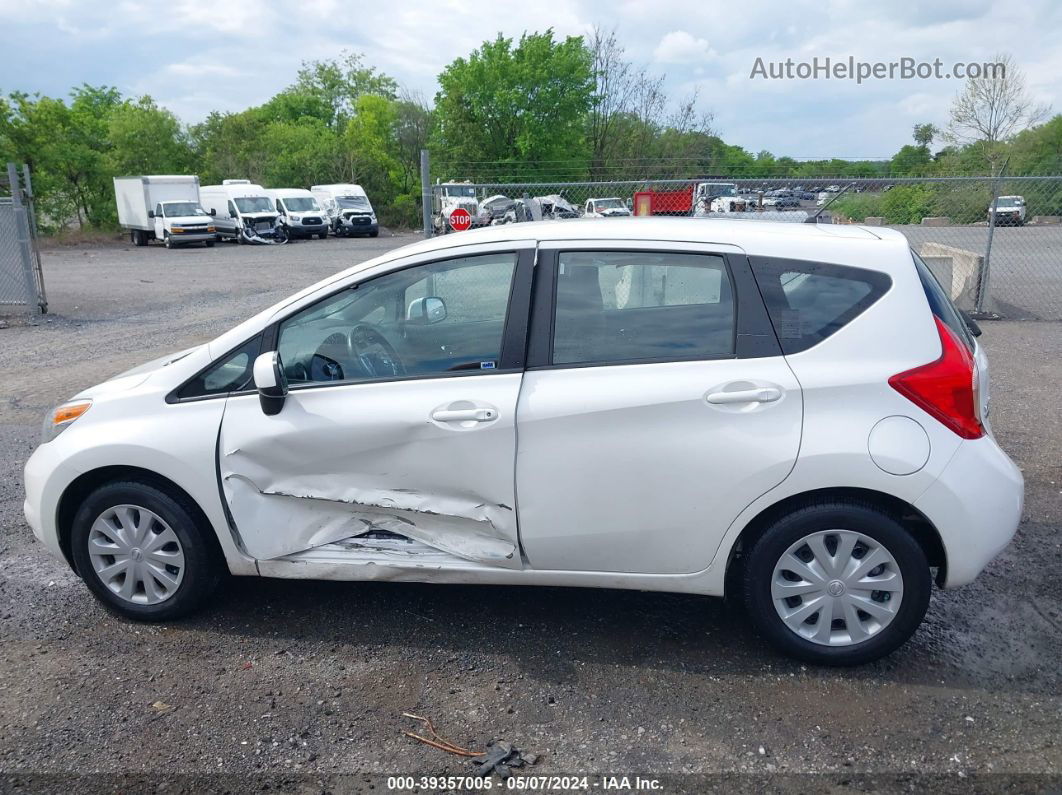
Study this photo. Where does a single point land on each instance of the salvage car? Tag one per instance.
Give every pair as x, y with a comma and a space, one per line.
792, 415
1009, 211
606, 208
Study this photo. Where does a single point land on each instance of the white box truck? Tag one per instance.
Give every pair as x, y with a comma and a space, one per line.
349, 210
241, 209
163, 207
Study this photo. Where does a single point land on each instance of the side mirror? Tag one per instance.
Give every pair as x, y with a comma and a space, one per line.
213, 211
151, 213
232, 214
425, 311
270, 382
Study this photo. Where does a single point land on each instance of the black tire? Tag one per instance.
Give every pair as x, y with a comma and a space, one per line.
323, 235
867, 519
210, 243
375, 233
167, 241
203, 564
140, 237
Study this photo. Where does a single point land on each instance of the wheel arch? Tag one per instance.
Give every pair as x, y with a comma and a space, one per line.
79, 488
914, 521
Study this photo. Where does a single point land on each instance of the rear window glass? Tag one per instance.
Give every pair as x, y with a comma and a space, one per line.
940, 303
809, 301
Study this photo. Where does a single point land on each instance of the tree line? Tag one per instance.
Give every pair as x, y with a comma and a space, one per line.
537, 108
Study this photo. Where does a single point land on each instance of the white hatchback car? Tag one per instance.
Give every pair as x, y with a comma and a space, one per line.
792, 413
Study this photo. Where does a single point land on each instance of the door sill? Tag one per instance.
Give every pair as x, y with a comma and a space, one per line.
389, 549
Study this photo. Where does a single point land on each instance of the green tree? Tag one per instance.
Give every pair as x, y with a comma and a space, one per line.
146, 139
299, 153
1038, 150
67, 147
525, 103
910, 161
924, 134
337, 84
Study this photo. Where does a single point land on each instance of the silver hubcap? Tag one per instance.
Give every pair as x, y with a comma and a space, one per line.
136, 554
837, 587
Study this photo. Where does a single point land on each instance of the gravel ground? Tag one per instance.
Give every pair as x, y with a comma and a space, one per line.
298, 686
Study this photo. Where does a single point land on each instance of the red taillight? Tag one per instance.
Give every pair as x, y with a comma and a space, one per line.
946, 388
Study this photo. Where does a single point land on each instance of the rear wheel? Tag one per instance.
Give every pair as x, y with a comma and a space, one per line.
210, 244
837, 584
142, 552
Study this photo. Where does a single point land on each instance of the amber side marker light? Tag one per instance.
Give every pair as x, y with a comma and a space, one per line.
62, 417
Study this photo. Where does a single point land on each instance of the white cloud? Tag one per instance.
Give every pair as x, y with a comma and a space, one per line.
242, 52
678, 46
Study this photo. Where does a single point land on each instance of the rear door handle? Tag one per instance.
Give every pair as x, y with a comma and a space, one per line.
765, 394
464, 415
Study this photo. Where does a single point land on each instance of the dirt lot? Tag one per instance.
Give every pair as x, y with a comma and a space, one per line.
297, 684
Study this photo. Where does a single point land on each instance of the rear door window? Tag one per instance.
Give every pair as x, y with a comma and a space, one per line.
628, 306
809, 301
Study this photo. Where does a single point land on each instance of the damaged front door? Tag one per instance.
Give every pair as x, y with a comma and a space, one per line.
400, 417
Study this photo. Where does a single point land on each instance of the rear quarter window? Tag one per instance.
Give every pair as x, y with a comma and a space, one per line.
940, 303
809, 301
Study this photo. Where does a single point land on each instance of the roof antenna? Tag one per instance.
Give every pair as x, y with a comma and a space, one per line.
811, 219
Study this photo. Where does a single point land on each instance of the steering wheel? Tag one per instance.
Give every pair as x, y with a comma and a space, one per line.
374, 353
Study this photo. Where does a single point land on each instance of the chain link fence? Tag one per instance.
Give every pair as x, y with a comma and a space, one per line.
1006, 263
21, 277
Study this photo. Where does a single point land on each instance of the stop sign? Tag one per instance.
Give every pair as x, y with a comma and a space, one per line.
460, 219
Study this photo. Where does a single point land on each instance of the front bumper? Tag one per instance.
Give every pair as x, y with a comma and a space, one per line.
354, 226
307, 230
46, 477
192, 237
976, 506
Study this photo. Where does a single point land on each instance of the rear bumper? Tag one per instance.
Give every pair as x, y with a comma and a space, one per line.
976, 506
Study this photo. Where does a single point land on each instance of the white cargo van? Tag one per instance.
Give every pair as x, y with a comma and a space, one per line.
349, 210
238, 203
163, 208
300, 212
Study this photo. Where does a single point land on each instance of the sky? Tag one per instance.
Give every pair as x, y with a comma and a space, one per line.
194, 56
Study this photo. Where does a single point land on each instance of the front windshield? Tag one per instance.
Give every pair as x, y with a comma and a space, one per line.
459, 190
176, 209
353, 202
300, 205
610, 204
254, 204
1006, 201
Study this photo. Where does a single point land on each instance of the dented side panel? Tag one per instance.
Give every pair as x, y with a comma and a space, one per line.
341, 460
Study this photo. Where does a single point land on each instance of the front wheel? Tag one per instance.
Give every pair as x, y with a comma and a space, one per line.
143, 553
837, 584
167, 240
210, 244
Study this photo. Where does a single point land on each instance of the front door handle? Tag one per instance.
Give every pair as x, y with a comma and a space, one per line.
765, 394
464, 415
